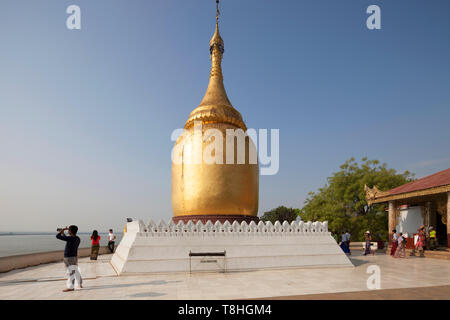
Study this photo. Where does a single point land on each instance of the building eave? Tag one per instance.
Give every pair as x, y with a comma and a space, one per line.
406, 195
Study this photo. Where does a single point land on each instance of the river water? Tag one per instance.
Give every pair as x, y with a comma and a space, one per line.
23, 243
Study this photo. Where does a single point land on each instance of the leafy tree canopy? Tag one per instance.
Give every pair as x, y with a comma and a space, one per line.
281, 213
342, 200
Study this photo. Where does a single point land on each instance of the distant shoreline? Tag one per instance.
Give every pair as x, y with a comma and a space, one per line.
15, 243
43, 251
20, 261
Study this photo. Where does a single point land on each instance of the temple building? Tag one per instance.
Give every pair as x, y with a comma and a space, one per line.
425, 201
214, 191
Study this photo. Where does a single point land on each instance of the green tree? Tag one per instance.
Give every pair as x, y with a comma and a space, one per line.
342, 200
281, 213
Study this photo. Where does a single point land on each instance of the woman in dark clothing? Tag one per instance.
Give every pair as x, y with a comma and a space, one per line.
368, 244
394, 242
344, 243
95, 245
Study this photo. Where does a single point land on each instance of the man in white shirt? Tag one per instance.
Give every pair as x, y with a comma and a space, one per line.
344, 242
111, 238
347, 239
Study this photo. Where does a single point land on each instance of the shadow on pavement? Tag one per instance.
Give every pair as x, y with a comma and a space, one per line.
127, 285
147, 295
357, 262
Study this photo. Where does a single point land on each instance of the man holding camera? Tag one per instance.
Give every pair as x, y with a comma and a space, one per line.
71, 257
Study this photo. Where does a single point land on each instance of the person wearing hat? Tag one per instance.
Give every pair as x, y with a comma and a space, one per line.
420, 244
368, 238
433, 242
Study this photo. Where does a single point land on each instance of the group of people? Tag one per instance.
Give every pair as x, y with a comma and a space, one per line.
95, 238
345, 241
399, 241
71, 253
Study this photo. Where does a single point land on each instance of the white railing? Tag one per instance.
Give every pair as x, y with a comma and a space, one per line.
181, 228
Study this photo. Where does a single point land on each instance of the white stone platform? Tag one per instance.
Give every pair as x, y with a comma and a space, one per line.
162, 247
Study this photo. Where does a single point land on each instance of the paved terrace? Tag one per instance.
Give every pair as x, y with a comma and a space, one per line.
101, 282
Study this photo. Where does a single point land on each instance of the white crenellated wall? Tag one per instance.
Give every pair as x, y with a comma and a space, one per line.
165, 247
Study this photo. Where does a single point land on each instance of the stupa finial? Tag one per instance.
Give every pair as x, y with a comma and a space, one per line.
216, 48
217, 12
215, 105
216, 94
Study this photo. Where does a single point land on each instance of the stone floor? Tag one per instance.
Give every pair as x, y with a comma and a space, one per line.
101, 281
417, 293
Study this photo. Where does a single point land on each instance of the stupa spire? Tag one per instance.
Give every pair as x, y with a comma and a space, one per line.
215, 106
216, 94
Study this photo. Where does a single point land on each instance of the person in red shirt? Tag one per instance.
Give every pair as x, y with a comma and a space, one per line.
95, 245
420, 245
394, 242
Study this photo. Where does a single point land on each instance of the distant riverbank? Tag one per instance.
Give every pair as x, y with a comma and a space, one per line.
18, 243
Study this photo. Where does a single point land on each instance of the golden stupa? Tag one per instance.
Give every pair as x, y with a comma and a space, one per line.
213, 191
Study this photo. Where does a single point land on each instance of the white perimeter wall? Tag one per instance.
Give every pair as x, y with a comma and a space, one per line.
165, 247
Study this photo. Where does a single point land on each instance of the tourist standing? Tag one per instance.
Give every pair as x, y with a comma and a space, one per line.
344, 245
347, 237
368, 239
71, 257
401, 243
405, 241
394, 242
111, 238
336, 237
95, 245
433, 241
420, 244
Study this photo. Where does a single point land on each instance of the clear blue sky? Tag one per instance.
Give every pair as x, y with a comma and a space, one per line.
86, 116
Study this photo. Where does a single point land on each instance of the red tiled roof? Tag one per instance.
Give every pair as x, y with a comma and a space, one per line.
438, 179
